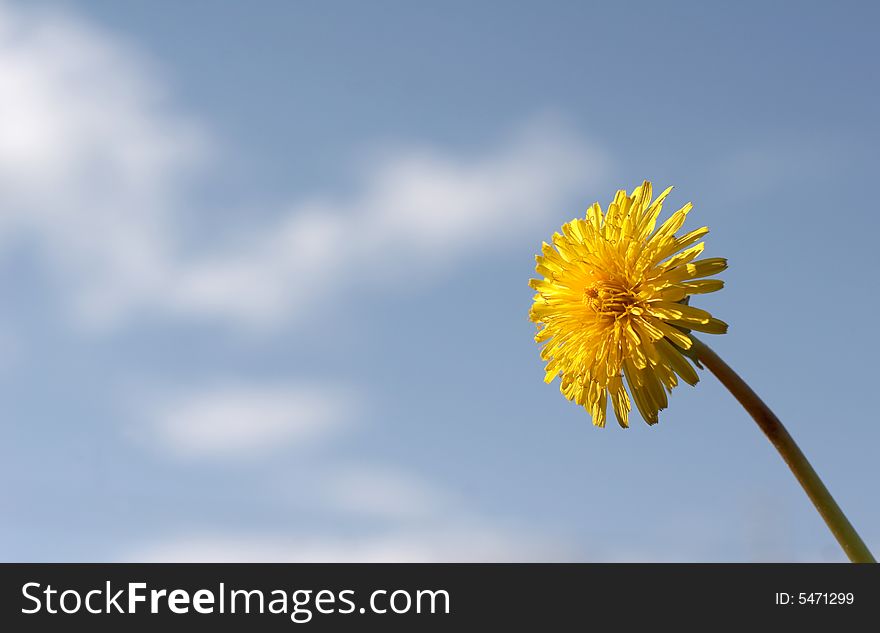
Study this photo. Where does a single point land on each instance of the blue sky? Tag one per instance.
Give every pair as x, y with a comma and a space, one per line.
265, 276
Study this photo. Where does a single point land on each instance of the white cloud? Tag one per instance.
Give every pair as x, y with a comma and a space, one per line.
415, 211
95, 163
89, 158
416, 522
246, 422
447, 542
383, 492
93, 171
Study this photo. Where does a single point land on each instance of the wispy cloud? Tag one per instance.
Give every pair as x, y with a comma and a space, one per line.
90, 154
385, 493
94, 166
464, 541
400, 517
415, 212
245, 422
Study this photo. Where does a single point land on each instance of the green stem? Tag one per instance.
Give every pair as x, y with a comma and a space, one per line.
837, 522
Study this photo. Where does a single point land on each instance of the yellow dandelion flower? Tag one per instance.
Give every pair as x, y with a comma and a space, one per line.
612, 305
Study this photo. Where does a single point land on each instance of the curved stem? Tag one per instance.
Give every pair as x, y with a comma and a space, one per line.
837, 522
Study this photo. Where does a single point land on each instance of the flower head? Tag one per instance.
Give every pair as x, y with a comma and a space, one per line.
613, 305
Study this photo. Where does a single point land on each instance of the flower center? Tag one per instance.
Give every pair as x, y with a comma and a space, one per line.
610, 298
